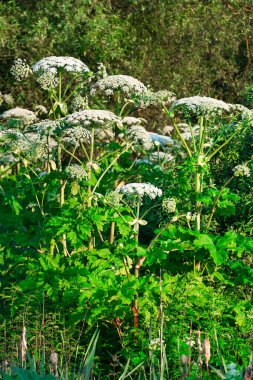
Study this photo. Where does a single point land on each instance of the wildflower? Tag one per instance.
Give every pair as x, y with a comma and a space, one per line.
140, 137
150, 98
190, 217
26, 116
76, 135
241, 171
92, 118
101, 71
169, 205
141, 189
79, 103
46, 127
201, 105
123, 83
55, 64
48, 80
20, 69
76, 172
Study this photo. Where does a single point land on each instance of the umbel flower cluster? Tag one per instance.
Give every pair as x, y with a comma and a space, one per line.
140, 137
76, 136
55, 64
169, 205
92, 118
76, 172
47, 69
20, 69
201, 105
155, 99
46, 127
141, 190
126, 84
25, 116
241, 171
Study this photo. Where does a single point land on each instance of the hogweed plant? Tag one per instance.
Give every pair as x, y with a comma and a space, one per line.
114, 219
49, 73
209, 113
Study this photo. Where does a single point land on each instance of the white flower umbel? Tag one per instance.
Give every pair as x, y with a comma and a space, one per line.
191, 217
141, 190
201, 106
56, 64
128, 85
101, 71
48, 80
79, 103
46, 127
76, 172
162, 140
140, 137
26, 116
169, 205
92, 118
20, 69
241, 171
150, 98
76, 136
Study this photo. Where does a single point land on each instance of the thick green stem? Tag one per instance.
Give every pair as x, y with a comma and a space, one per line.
89, 200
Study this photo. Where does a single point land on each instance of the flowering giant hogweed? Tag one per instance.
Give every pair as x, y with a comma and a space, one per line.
26, 116
126, 84
55, 64
92, 118
141, 190
76, 135
20, 69
201, 105
140, 137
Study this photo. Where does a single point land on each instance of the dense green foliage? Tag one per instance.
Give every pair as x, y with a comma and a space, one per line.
190, 47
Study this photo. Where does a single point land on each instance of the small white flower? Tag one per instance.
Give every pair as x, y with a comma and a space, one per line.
79, 103
140, 137
169, 205
20, 69
47, 80
101, 71
190, 217
241, 171
76, 172
141, 189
